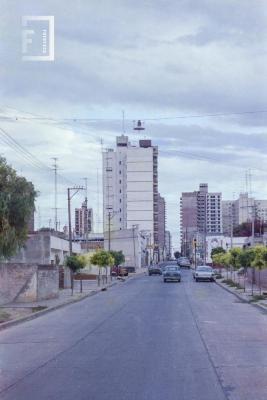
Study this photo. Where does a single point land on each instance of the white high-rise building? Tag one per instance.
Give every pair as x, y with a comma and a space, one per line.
130, 187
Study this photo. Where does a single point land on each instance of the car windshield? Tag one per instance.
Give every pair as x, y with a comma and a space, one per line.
171, 268
204, 269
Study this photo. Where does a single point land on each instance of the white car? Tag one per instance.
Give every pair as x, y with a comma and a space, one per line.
204, 273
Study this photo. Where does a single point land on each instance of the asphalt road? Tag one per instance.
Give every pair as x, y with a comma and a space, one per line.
140, 340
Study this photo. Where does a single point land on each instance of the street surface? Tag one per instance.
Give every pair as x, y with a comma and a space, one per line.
140, 340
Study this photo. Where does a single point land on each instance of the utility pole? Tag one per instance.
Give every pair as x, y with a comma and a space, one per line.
253, 224
109, 233
232, 224
76, 189
195, 251
55, 168
111, 214
133, 229
86, 214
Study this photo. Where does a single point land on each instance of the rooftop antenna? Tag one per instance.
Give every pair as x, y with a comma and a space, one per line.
98, 202
123, 122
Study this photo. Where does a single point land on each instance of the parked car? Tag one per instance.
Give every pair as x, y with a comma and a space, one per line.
119, 271
171, 273
204, 273
154, 270
183, 262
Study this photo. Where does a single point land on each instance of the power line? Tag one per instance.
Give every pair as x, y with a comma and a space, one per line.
78, 119
32, 160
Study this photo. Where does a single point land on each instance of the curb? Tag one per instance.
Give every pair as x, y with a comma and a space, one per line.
259, 306
38, 314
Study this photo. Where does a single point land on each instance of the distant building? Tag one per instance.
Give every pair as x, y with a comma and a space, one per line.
168, 245
132, 243
161, 227
83, 221
242, 210
200, 215
130, 188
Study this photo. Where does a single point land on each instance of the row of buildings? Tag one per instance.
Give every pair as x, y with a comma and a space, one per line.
209, 220
134, 213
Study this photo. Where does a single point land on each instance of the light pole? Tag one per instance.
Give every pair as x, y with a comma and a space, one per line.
134, 252
76, 189
111, 214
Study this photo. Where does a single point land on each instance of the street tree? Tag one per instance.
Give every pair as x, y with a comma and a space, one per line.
259, 262
222, 259
217, 250
102, 259
75, 263
234, 258
17, 197
118, 257
246, 258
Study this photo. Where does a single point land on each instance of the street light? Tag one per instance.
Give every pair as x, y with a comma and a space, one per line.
76, 189
111, 214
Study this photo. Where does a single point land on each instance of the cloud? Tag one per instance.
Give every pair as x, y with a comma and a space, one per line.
151, 59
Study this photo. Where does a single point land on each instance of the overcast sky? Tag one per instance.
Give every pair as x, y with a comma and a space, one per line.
153, 59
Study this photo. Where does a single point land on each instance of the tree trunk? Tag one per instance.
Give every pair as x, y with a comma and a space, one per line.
252, 281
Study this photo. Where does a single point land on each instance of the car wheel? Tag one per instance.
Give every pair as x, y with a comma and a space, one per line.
196, 279
164, 280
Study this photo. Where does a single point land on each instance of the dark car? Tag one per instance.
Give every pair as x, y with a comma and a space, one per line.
119, 271
171, 273
154, 270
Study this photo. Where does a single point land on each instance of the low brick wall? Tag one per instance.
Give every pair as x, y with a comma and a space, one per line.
27, 282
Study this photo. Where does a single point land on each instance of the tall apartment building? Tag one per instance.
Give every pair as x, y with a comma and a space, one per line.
168, 244
161, 226
83, 220
200, 215
130, 187
243, 209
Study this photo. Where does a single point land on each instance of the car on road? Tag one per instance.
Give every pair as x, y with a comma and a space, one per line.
171, 273
119, 271
154, 270
184, 262
204, 273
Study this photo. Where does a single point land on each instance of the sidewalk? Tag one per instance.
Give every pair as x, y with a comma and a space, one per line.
14, 313
248, 295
